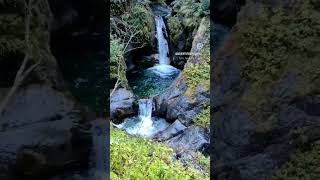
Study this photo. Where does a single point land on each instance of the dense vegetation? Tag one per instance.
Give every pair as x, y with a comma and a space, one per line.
186, 16
117, 64
199, 74
137, 158
274, 44
131, 26
11, 42
303, 165
203, 118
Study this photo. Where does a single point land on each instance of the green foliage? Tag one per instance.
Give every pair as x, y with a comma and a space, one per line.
132, 18
117, 64
187, 16
203, 161
137, 158
12, 34
275, 43
203, 118
199, 74
303, 165
140, 19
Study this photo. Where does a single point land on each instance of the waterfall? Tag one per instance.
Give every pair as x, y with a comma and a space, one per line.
144, 124
163, 68
145, 114
163, 48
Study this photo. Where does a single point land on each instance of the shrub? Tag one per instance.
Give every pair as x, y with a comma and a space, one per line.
131, 18
117, 62
137, 158
140, 19
203, 118
203, 161
303, 165
187, 15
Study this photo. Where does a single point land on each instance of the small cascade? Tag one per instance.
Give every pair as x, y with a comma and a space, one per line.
144, 124
145, 113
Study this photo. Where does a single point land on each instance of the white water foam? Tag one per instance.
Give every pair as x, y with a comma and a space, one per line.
143, 124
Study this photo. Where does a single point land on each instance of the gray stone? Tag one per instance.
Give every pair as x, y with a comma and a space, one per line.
172, 130
44, 126
193, 138
121, 104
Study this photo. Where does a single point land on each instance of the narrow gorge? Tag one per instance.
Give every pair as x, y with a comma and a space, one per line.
159, 103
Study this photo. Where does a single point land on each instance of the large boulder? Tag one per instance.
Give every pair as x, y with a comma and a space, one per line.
171, 131
121, 104
43, 131
193, 138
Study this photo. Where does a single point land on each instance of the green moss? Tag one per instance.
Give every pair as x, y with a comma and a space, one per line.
198, 74
137, 158
203, 118
187, 16
303, 165
275, 43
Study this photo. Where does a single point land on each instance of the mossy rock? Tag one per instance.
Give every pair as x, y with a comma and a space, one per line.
273, 44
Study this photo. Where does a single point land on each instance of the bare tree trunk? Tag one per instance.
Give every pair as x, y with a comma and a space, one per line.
22, 72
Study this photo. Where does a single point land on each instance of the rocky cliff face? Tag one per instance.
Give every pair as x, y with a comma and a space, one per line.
182, 101
257, 129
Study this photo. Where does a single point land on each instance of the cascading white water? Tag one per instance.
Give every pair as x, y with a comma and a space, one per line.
144, 124
162, 41
145, 114
163, 68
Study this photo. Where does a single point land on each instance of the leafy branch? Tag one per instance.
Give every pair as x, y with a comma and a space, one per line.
23, 70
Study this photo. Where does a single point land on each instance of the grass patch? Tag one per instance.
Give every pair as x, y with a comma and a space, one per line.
137, 158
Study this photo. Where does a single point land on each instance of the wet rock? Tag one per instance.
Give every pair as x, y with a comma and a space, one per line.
173, 104
148, 61
40, 131
121, 104
193, 138
174, 129
160, 9
226, 12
